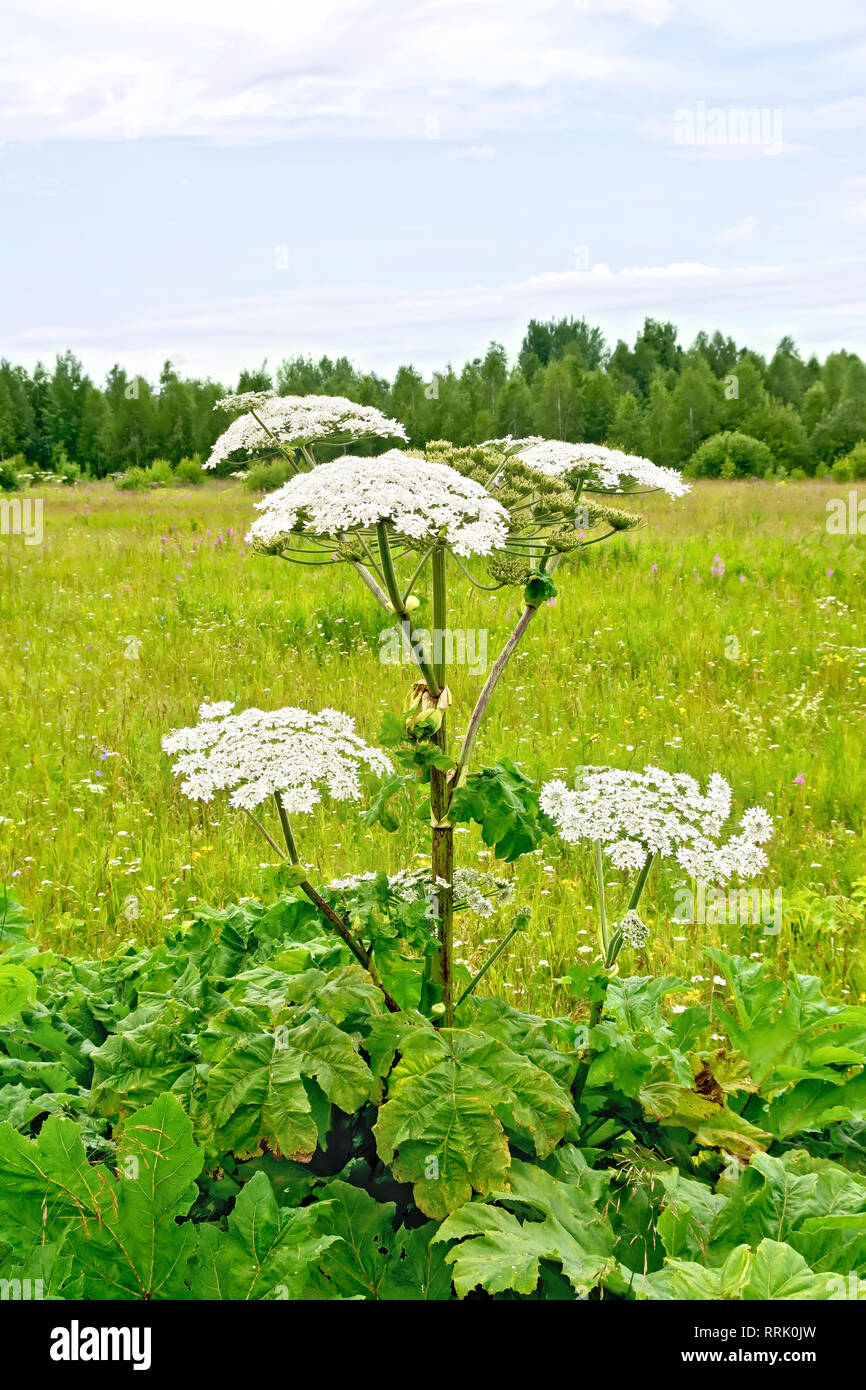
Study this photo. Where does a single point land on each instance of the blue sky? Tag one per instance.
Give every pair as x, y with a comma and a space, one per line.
219, 183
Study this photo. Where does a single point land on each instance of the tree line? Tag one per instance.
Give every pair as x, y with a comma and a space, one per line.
713, 407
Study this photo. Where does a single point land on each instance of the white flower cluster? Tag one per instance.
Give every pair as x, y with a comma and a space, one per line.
634, 814
608, 469
247, 400
258, 753
480, 893
634, 932
295, 420
420, 499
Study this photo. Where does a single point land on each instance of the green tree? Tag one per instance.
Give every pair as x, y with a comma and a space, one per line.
255, 379
786, 374
515, 412
781, 428
558, 400
629, 429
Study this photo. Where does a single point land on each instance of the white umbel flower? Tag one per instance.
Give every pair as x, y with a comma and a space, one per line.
420, 499
246, 400
610, 470
634, 932
481, 893
296, 420
258, 753
634, 814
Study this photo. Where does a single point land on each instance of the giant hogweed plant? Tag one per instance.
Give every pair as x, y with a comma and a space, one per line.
307, 1099
513, 509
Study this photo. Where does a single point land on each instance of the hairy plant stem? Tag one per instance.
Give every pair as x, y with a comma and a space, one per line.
358, 951
442, 855
462, 770
371, 583
487, 690
396, 600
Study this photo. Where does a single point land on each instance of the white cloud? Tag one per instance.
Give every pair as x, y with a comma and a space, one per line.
741, 231
265, 70
381, 327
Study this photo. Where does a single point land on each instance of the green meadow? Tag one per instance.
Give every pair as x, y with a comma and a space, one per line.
727, 634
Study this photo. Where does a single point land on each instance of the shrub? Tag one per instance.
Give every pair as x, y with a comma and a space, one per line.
160, 473
851, 465
9, 470
842, 471
265, 477
134, 479
189, 471
730, 454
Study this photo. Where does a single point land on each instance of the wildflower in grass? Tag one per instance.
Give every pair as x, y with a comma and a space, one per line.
290, 753
717, 568
637, 814
800, 779
270, 421
419, 499
600, 469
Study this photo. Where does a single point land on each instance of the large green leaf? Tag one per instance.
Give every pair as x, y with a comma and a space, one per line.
504, 802
778, 1272
450, 1099
789, 1032
149, 1055
14, 922
121, 1229
266, 1251
17, 990
774, 1271
258, 1094
498, 1250
372, 1260
774, 1196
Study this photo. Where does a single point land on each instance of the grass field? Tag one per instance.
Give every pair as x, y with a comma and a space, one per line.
136, 607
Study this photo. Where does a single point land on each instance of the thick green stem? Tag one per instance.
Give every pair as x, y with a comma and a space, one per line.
442, 830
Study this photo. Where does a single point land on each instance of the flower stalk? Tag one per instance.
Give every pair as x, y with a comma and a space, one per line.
358, 951
442, 829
